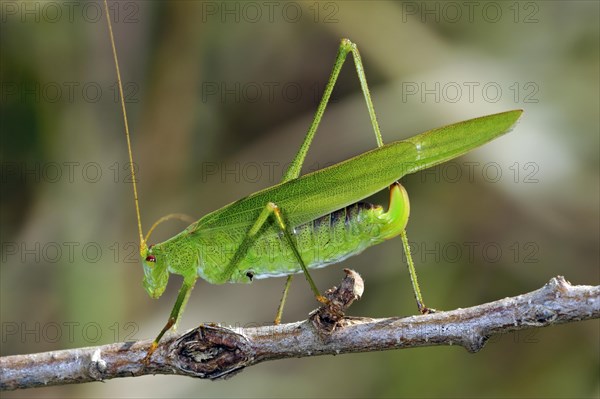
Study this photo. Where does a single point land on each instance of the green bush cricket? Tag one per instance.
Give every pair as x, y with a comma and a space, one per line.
307, 221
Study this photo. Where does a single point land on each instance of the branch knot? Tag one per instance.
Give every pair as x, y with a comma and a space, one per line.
211, 351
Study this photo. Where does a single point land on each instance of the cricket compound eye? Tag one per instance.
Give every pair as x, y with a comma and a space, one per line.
150, 258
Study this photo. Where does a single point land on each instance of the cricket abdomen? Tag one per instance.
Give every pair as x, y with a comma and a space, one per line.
326, 240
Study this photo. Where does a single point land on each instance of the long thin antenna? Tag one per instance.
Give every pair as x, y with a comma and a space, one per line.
143, 247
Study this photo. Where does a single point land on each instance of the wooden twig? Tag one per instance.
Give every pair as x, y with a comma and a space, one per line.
214, 352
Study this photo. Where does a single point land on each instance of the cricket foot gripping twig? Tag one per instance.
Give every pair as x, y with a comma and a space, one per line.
213, 352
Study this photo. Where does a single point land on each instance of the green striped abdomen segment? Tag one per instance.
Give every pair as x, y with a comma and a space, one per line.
326, 240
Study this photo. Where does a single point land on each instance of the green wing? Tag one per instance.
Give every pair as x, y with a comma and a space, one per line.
324, 191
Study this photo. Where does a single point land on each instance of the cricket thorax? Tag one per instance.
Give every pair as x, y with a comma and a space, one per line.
181, 254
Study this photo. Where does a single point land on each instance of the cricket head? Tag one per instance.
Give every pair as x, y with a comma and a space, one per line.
156, 275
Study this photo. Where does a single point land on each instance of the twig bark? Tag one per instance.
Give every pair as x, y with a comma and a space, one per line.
214, 352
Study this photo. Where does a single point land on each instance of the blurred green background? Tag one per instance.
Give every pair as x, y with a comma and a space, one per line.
219, 96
